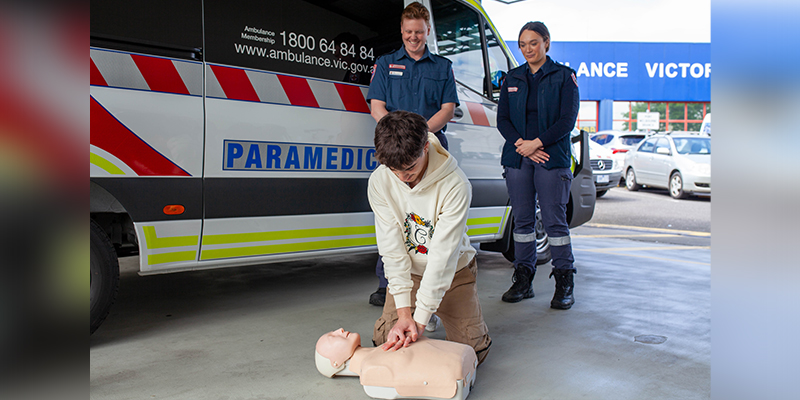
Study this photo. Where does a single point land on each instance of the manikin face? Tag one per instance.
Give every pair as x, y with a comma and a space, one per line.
533, 47
415, 34
413, 173
338, 345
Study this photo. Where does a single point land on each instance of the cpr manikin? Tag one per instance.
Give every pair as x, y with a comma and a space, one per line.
426, 369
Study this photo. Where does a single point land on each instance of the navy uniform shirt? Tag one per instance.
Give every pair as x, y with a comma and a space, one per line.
419, 86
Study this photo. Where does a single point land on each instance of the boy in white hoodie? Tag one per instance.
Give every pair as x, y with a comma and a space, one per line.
421, 200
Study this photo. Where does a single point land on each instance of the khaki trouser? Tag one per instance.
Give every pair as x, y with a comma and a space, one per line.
459, 311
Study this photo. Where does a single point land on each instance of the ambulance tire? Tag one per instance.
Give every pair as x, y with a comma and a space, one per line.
104, 279
543, 255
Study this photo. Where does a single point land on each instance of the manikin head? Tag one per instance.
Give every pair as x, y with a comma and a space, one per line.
333, 349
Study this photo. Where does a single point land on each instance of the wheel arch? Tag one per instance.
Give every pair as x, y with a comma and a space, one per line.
110, 215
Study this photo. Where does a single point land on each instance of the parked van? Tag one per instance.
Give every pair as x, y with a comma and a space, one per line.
230, 133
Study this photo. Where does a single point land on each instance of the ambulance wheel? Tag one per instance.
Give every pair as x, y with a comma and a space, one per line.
104, 279
630, 181
602, 193
543, 255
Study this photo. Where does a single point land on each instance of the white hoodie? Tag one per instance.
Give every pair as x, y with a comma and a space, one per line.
423, 230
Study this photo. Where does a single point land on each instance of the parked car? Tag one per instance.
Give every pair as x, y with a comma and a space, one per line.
606, 171
705, 127
620, 143
678, 161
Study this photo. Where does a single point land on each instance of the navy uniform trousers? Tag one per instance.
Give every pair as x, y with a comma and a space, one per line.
552, 187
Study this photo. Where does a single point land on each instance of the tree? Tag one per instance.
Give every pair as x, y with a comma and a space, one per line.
676, 111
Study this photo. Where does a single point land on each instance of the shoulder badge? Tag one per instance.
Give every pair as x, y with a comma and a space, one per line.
574, 79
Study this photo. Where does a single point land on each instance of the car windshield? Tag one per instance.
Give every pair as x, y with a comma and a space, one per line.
630, 140
693, 145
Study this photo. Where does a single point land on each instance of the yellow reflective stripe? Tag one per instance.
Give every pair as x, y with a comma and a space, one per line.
484, 221
482, 231
290, 234
155, 242
106, 165
171, 257
285, 248
479, 6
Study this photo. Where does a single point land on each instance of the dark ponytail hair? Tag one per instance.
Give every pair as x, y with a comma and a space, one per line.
539, 28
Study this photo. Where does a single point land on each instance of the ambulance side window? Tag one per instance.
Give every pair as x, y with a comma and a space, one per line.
498, 62
171, 28
458, 37
338, 41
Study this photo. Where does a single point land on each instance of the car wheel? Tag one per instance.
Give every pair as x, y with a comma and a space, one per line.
104, 278
676, 186
543, 255
630, 181
601, 193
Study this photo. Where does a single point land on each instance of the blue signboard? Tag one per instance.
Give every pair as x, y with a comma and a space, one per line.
636, 71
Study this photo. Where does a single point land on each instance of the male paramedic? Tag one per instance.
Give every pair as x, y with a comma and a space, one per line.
412, 79
420, 199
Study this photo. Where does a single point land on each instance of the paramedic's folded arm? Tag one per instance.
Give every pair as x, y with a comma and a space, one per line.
440, 119
435, 123
378, 109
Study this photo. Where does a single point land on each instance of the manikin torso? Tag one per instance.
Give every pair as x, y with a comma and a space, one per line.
428, 368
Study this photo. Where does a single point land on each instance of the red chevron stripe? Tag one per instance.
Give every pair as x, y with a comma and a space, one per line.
109, 134
160, 74
477, 113
298, 91
352, 97
95, 77
235, 83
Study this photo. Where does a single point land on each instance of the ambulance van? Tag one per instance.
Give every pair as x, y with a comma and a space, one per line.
228, 133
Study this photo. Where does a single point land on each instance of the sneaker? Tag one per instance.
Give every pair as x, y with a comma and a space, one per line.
433, 323
378, 298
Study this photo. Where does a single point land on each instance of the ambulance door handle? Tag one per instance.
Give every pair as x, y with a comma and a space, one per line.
458, 113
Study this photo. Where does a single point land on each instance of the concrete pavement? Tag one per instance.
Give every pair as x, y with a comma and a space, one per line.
249, 333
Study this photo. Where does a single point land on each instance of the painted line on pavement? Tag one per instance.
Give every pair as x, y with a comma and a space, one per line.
616, 252
641, 228
656, 235
654, 248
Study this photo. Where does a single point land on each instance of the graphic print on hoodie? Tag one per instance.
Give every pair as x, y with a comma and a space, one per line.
418, 231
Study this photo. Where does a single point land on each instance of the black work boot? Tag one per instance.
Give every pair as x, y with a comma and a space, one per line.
562, 298
378, 298
522, 288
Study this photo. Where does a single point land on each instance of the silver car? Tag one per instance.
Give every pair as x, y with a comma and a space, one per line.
606, 170
678, 161
620, 143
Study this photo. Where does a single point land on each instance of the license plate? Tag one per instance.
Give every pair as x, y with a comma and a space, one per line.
602, 178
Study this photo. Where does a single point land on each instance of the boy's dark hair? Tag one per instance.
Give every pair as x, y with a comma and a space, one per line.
416, 10
400, 137
539, 28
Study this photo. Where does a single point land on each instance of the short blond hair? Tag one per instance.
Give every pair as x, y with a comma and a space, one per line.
416, 10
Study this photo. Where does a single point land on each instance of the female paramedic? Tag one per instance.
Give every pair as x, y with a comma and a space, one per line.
537, 110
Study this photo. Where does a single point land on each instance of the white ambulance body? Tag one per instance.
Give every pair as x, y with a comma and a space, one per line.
229, 133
